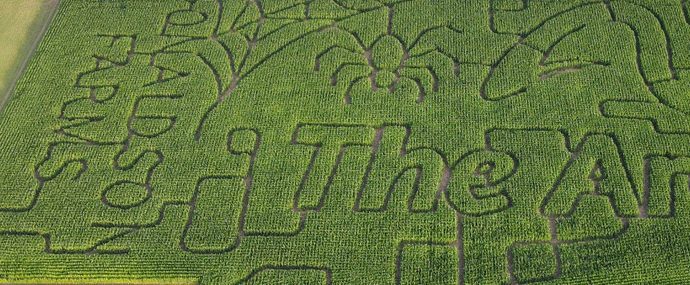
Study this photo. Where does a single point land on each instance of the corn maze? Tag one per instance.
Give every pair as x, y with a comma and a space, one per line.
351, 142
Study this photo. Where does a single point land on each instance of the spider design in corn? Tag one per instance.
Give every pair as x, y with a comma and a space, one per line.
388, 63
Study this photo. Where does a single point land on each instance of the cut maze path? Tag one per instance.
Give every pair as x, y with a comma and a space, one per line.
350, 142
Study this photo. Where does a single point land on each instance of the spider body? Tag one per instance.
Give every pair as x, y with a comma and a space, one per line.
388, 63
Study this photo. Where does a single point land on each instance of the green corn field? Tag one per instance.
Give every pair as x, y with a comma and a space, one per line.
351, 142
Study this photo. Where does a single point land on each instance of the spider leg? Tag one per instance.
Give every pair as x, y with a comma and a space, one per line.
425, 32
406, 81
330, 50
347, 99
432, 56
426, 75
343, 66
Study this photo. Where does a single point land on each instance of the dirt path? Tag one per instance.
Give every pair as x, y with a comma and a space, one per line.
52, 6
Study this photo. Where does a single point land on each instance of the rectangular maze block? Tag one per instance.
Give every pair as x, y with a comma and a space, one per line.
423, 263
215, 216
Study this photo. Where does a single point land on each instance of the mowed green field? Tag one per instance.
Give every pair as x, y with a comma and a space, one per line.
21, 24
351, 142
